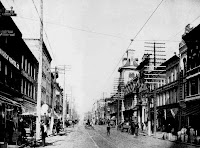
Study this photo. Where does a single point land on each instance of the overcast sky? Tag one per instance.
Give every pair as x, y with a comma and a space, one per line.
92, 35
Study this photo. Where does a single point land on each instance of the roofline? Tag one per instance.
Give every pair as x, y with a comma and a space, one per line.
44, 47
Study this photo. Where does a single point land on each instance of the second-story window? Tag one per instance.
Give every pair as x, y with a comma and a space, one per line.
31, 67
11, 74
22, 86
172, 76
34, 93
6, 70
28, 71
22, 64
175, 74
25, 87
25, 68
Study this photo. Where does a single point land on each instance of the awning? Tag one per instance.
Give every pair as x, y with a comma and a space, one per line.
9, 101
191, 110
34, 114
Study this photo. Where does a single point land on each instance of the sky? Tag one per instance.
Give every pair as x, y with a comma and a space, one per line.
91, 36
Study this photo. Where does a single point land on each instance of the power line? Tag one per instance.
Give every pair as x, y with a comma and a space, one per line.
44, 30
184, 27
74, 28
136, 36
148, 19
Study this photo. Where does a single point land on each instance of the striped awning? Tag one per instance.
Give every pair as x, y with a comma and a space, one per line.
9, 101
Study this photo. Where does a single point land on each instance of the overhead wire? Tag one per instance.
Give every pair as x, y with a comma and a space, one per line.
74, 28
44, 30
184, 27
135, 38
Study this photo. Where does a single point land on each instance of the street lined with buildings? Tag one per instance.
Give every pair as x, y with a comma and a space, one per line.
159, 96
81, 137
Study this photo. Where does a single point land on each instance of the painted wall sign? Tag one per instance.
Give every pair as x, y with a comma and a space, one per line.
7, 57
7, 33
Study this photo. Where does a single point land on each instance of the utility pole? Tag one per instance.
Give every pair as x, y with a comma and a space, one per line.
64, 100
55, 76
39, 95
117, 94
156, 61
64, 91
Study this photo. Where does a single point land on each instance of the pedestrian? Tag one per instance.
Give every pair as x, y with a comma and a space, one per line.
108, 128
142, 126
136, 128
58, 127
43, 131
132, 127
10, 128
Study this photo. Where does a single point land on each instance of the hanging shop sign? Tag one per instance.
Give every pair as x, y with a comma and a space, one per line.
7, 33
7, 57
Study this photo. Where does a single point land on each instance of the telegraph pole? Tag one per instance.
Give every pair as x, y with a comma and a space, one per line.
54, 97
155, 63
64, 101
64, 91
39, 75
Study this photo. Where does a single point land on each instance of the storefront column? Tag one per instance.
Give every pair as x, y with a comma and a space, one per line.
143, 114
138, 117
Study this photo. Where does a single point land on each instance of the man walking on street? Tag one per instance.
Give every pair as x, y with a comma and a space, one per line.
108, 127
43, 131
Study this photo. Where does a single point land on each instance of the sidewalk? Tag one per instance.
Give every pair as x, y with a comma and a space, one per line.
159, 135
173, 138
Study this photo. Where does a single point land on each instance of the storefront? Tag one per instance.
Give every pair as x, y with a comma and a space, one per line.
167, 116
9, 115
191, 115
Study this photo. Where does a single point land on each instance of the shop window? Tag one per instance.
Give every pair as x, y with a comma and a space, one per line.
194, 86
187, 88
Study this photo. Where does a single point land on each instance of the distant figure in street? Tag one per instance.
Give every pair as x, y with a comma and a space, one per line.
136, 128
142, 126
58, 127
108, 128
132, 127
43, 131
88, 122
